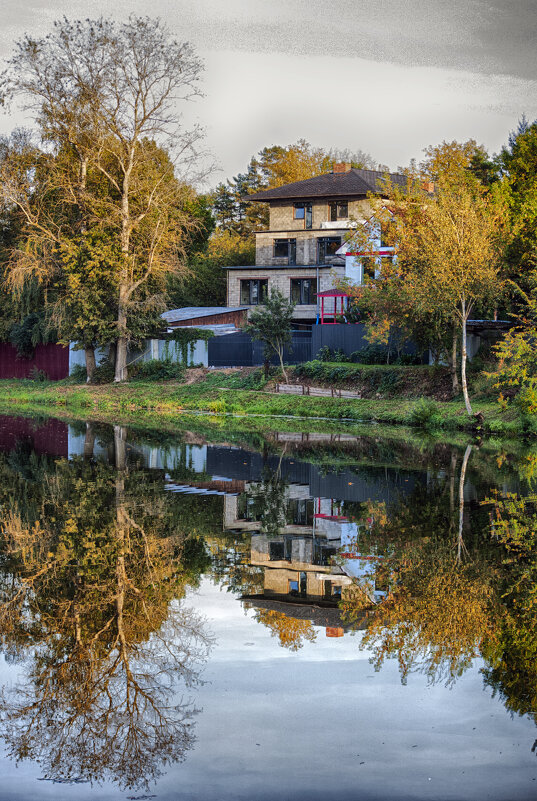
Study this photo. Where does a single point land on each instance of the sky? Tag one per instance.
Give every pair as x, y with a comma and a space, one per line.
388, 77
319, 723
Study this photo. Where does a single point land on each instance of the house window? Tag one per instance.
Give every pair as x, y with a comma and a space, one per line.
304, 211
326, 247
285, 249
304, 291
276, 551
254, 291
339, 210
369, 267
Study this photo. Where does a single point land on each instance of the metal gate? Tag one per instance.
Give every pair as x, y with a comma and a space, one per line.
239, 350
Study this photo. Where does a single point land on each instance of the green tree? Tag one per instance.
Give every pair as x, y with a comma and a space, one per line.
106, 92
271, 325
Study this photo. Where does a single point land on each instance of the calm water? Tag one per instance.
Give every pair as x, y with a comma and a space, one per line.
282, 617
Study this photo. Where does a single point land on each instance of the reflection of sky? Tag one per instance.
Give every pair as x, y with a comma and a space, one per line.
320, 723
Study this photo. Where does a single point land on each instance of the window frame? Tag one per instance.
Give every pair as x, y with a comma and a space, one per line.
313, 280
335, 210
325, 240
307, 208
250, 281
291, 249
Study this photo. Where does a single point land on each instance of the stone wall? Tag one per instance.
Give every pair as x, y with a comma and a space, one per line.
281, 279
282, 214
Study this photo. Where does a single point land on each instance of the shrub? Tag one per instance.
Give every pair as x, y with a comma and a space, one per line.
425, 414
78, 374
37, 375
104, 373
157, 370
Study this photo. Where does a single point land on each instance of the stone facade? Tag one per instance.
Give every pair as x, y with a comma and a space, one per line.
282, 214
306, 246
281, 279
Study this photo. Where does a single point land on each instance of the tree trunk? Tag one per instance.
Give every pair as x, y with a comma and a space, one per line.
453, 365
467, 403
89, 441
89, 353
121, 345
460, 543
280, 354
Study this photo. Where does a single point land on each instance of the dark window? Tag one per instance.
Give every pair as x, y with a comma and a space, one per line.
326, 247
369, 266
276, 551
301, 511
383, 237
304, 291
339, 210
254, 291
303, 211
285, 249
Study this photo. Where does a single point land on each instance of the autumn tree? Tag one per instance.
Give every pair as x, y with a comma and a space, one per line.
91, 575
107, 92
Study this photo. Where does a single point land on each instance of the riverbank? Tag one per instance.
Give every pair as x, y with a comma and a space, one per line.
218, 395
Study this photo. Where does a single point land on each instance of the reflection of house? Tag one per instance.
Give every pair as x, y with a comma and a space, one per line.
299, 254
303, 565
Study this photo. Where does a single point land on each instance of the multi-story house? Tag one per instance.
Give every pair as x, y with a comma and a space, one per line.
304, 252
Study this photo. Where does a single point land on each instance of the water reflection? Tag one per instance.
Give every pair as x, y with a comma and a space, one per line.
104, 530
89, 576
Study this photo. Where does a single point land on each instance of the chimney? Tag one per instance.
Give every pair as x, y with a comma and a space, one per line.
428, 186
342, 166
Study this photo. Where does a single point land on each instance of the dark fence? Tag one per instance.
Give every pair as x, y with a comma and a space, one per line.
53, 360
240, 350
347, 338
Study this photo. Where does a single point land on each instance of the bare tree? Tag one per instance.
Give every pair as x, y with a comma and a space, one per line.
106, 92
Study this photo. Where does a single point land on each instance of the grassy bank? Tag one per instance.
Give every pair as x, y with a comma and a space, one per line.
220, 396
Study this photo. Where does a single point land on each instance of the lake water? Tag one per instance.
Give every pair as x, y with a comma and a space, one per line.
278, 616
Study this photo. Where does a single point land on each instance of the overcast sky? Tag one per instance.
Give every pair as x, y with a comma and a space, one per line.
386, 76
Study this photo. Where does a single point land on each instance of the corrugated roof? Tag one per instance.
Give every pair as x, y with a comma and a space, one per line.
191, 312
357, 183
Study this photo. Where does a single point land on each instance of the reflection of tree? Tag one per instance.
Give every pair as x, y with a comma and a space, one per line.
270, 500
231, 568
452, 600
439, 615
87, 604
513, 671
291, 632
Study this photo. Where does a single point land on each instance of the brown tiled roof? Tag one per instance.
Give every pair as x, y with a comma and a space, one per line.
355, 183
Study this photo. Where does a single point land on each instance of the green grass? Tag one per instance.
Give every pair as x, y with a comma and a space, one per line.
169, 399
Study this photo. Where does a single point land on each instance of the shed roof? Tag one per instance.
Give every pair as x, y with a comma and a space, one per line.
192, 312
354, 183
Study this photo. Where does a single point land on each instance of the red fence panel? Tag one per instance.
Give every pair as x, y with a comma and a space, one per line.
52, 359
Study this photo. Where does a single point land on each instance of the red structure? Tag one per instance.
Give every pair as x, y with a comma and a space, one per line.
52, 359
49, 438
329, 316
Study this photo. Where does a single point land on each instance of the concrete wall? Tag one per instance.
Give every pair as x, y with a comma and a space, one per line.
282, 212
281, 279
196, 352
306, 246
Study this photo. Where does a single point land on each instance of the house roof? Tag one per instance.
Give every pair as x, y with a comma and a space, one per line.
355, 182
192, 312
319, 612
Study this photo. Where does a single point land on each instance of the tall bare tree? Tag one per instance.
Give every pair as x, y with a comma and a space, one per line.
107, 92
